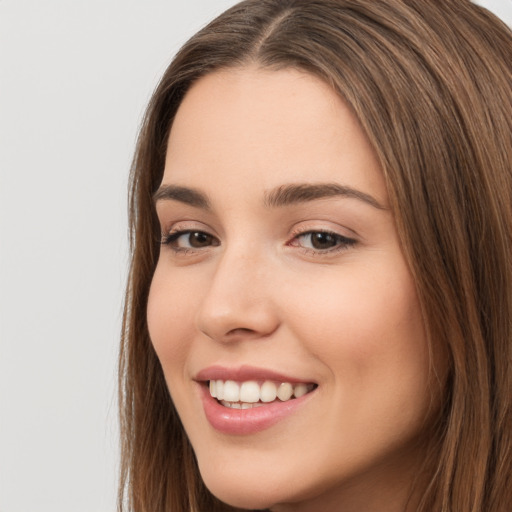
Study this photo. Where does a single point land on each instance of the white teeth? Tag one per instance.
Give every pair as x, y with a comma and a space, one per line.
239, 405
213, 388
246, 394
219, 389
231, 391
268, 392
300, 390
250, 392
284, 392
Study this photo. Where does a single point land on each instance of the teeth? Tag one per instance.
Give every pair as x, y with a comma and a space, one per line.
285, 391
300, 390
268, 392
219, 389
239, 405
213, 388
231, 391
248, 394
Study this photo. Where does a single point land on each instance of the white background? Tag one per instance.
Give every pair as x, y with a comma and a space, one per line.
75, 76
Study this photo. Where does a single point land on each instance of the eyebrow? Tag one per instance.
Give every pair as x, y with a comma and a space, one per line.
185, 195
283, 195
299, 193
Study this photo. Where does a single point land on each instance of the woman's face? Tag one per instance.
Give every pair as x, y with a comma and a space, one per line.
281, 272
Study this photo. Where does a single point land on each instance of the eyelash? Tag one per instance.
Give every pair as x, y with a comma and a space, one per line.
342, 243
173, 236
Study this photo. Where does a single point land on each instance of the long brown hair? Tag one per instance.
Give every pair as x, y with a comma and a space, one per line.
431, 84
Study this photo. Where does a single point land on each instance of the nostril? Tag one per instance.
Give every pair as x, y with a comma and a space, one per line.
240, 330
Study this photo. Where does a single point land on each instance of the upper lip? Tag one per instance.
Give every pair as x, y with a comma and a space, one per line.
245, 373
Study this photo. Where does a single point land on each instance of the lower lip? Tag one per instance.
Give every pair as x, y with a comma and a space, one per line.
248, 421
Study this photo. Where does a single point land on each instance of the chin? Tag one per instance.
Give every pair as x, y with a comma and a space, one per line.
241, 493
250, 499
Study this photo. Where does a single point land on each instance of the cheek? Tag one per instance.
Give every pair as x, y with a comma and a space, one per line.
169, 316
368, 335
356, 306
366, 327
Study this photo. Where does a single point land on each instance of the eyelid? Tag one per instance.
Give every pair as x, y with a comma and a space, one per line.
177, 229
324, 227
186, 225
344, 242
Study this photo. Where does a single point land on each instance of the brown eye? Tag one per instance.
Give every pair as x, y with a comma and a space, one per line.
323, 240
185, 240
198, 239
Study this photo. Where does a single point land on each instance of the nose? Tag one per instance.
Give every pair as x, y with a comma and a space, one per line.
238, 303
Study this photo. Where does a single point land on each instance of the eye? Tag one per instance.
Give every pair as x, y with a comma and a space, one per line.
322, 241
186, 240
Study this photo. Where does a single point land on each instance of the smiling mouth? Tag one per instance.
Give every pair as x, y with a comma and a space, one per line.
250, 394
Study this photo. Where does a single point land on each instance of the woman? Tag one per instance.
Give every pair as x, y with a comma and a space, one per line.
319, 309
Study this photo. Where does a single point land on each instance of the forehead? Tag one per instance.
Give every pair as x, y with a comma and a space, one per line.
263, 127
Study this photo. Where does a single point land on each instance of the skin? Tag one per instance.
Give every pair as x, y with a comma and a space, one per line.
257, 292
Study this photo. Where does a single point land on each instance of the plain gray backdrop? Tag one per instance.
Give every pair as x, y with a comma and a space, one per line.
75, 76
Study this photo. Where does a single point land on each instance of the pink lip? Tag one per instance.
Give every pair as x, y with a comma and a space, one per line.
246, 421
244, 373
